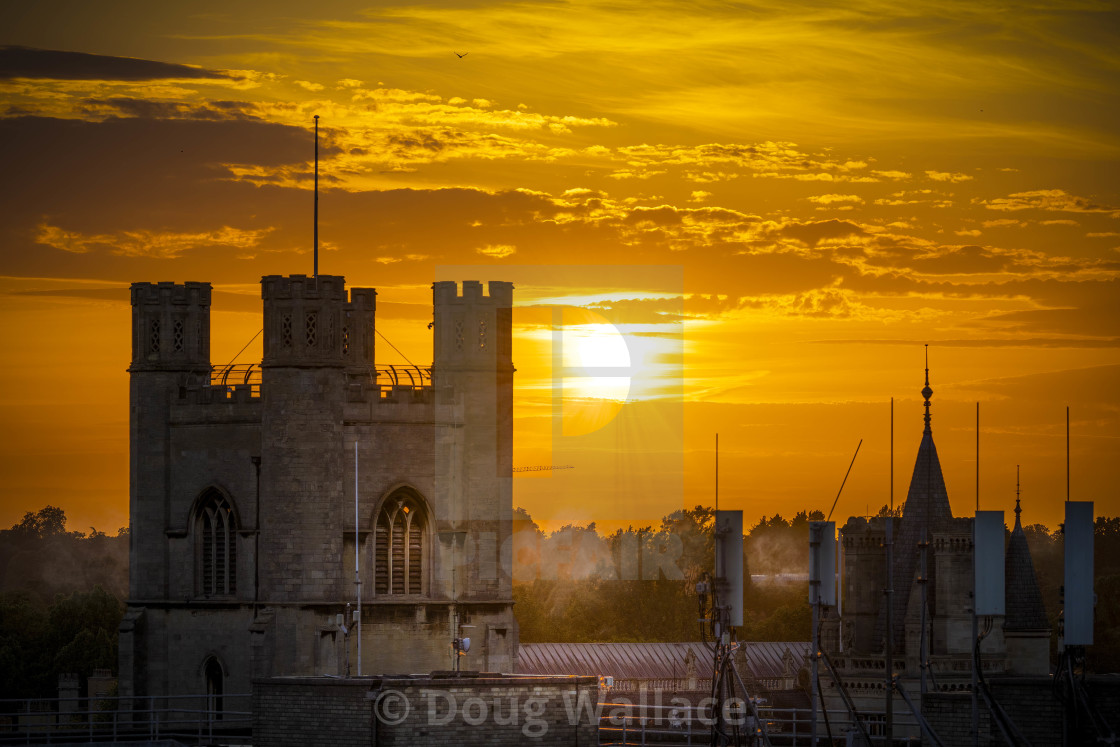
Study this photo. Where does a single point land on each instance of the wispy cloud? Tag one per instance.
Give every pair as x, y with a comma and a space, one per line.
1053, 200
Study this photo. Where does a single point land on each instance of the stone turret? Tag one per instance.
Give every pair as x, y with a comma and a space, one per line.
311, 333
472, 373
170, 342
170, 326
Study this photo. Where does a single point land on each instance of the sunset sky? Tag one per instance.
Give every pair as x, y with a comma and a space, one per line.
764, 211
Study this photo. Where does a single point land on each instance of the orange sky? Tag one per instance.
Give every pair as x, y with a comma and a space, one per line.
765, 211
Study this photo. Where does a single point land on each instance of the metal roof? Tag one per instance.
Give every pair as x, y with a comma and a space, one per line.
647, 660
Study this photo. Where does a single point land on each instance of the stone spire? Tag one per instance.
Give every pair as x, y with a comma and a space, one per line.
927, 510
1023, 600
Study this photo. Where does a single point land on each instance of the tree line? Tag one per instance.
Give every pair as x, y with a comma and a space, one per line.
61, 602
62, 592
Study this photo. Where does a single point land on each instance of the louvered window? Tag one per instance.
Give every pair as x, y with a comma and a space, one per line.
217, 546
399, 557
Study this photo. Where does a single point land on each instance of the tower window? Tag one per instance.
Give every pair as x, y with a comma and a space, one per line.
153, 336
286, 330
400, 544
481, 333
177, 336
310, 329
345, 340
458, 334
330, 332
216, 546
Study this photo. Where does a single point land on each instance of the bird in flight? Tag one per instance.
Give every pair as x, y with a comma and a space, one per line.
461, 56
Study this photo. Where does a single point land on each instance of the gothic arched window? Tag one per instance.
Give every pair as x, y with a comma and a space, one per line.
399, 539
214, 675
216, 543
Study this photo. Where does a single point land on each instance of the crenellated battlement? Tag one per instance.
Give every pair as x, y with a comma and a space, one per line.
446, 292
213, 396
291, 287
167, 292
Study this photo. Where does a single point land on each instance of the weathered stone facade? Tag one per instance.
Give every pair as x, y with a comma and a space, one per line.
242, 494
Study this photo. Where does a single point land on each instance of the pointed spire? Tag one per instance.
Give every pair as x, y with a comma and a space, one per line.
927, 392
1025, 609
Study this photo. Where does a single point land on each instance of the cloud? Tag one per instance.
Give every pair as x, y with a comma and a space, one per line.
814, 233
832, 199
894, 175
945, 176
308, 85
27, 62
497, 251
70, 241
699, 195
831, 302
408, 257
1054, 200
164, 244
148, 109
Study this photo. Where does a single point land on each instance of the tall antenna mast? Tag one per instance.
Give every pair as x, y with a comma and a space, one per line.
1067, 453
316, 239
977, 456
717, 472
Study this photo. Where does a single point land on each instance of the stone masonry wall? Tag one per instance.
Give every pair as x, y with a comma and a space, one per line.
311, 711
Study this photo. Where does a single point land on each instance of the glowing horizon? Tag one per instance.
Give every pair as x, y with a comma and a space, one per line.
829, 185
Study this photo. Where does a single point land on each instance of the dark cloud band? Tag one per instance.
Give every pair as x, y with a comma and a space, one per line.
27, 62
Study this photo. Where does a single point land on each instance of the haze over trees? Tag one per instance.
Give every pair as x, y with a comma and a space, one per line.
62, 592
61, 602
638, 584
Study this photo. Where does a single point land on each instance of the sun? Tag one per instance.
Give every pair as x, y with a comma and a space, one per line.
595, 346
596, 377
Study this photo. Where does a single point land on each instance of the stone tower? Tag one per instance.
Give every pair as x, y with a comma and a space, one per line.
256, 490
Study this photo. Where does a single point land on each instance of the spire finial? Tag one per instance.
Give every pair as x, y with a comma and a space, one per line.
1018, 510
926, 391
